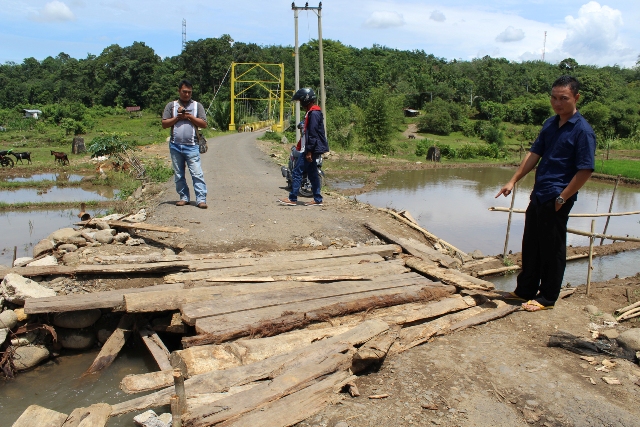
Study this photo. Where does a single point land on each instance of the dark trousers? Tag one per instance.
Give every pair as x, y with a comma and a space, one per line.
544, 251
311, 168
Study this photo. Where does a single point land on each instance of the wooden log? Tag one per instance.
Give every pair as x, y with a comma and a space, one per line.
627, 308
137, 383
219, 381
374, 351
95, 415
448, 276
501, 310
594, 215
434, 309
428, 235
628, 314
112, 346
226, 305
67, 270
416, 335
283, 385
491, 271
295, 407
406, 215
37, 416
136, 226
108, 299
203, 399
156, 347
171, 324
178, 384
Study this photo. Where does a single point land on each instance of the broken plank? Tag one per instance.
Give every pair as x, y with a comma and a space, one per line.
219, 381
95, 415
374, 351
137, 226
226, 305
38, 416
112, 346
433, 309
289, 382
448, 276
295, 407
503, 309
66, 270
108, 299
156, 347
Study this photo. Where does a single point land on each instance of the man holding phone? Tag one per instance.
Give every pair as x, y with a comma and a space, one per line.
184, 117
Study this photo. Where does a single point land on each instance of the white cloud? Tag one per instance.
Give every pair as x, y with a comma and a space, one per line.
437, 16
55, 11
384, 20
510, 35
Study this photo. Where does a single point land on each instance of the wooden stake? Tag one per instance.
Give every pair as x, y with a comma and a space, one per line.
606, 224
176, 415
591, 239
506, 240
178, 382
15, 255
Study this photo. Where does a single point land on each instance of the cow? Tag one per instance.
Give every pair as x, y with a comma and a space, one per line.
412, 136
60, 157
25, 155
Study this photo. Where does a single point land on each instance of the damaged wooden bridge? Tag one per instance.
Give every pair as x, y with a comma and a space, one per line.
269, 339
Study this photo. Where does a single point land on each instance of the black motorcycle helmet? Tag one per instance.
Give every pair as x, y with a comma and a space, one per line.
305, 95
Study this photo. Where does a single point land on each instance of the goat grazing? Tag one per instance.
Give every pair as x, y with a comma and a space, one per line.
20, 156
60, 157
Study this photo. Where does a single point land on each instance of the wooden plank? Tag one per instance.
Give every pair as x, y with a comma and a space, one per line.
219, 381
113, 345
173, 299
433, 309
67, 270
295, 407
226, 305
143, 226
448, 276
283, 385
37, 416
260, 267
108, 299
156, 347
373, 352
500, 311
95, 415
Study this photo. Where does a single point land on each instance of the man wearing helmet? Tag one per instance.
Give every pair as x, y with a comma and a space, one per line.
312, 145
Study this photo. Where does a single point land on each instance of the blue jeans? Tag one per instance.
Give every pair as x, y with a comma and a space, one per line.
189, 155
311, 168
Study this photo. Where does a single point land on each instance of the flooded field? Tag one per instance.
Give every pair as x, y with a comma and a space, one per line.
58, 194
58, 177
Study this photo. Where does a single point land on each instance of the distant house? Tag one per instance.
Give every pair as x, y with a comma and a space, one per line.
31, 114
408, 112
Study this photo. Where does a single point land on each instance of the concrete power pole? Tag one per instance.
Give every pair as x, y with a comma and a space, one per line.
323, 96
184, 34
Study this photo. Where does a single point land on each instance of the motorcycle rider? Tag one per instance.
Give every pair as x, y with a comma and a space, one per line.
313, 144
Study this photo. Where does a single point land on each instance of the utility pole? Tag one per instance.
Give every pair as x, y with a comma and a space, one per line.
184, 33
323, 96
297, 70
544, 45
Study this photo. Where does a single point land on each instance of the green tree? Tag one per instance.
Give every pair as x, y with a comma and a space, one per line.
377, 126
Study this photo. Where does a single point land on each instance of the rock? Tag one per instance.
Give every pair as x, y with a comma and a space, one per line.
71, 258
77, 319
326, 242
341, 424
63, 234
76, 339
134, 242
29, 356
49, 260
310, 241
3, 335
68, 247
608, 318
150, 419
25, 339
78, 241
21, 315
630, 339
477, 254
592, 310
102, 225
42, 247
141, 216
145, 416
16, 289
121, 237
8, 319
103, 335
22, 261
105, 236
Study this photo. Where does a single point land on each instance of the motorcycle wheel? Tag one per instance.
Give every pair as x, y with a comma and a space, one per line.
6, 161
306, 190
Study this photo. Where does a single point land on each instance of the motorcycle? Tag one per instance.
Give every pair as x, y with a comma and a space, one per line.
5, 160
305, 185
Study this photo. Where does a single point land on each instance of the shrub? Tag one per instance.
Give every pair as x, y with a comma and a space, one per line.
493, 135
107, 145
437, 121
448, 152
422, 146
157, 171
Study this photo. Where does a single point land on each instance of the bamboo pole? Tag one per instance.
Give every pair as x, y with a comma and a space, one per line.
506, 240
428, 235
594, 215
591, 239
606, 224
606, 236
629, 307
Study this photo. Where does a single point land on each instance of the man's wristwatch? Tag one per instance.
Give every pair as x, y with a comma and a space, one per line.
560, 200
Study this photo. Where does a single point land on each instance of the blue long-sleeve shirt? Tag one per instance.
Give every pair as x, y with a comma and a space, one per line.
315, 138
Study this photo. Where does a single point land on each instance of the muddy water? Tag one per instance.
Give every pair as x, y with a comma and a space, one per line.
58, 177
58, 194
26, 228
453, 204
58, 385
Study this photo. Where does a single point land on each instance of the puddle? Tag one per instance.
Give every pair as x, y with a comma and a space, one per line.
26, 228
58, 194
57, 385
57, 177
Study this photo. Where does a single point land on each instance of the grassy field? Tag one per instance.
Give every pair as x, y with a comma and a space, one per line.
626, 167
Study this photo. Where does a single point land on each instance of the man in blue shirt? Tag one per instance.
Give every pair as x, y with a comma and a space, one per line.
565, 154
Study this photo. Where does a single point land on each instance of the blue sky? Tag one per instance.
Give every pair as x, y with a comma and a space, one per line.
597, 33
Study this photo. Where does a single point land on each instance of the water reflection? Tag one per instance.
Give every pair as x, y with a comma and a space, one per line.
58, 194
453, 204
58, 177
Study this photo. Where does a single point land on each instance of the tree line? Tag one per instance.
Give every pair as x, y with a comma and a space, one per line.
358, 83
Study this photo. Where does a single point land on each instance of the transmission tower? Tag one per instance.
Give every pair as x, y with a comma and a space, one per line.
544, 45
184, 33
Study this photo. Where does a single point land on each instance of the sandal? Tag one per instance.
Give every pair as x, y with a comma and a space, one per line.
533, 305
